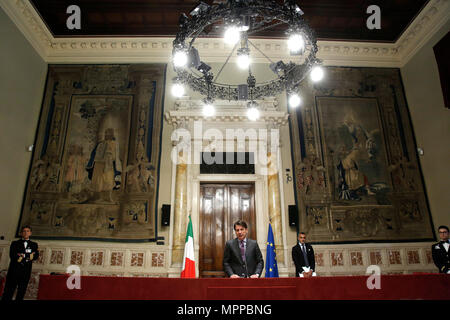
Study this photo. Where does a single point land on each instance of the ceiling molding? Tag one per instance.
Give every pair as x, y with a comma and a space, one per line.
433, 17
28, 21
146, 50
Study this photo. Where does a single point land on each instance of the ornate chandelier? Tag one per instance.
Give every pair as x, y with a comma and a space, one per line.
237, 20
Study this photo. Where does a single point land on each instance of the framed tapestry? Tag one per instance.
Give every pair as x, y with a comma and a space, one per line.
95, 167
357, 173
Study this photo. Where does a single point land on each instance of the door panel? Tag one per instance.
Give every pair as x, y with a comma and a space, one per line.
242, 207
211, 225
220, 206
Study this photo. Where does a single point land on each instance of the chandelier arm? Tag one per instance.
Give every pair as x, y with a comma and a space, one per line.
267, 27
216, 14
201, 28
226, 61
196, 73
195, 37
260, 51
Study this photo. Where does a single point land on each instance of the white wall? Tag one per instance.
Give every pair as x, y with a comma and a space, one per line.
431, 125
22, 79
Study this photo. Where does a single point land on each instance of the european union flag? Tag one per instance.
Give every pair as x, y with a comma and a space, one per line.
271, 256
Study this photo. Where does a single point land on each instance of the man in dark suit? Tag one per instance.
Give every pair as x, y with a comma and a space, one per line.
303, 256
22, 253
242, 257
440, 251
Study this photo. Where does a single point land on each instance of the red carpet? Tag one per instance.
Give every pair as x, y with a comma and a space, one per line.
393, 287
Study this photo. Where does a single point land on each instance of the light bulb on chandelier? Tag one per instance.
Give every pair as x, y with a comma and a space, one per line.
208, 109
253, 113
296, 43
317, 74
294, 100
232, 35
177, 90
180, 58
243, 61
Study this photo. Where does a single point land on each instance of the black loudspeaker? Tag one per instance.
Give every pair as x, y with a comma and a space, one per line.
165, 216
293, 215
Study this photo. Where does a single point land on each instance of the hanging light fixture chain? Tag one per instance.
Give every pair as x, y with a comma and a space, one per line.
260, 51
226, 61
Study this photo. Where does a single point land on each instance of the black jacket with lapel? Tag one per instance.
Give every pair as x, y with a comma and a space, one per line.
299, 261
441, 257
232, 260
24, 266
19, 270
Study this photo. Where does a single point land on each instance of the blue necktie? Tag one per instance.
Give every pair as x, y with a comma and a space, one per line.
243, 250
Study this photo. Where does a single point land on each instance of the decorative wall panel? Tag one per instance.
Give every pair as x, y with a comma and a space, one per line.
96, 161
356, 168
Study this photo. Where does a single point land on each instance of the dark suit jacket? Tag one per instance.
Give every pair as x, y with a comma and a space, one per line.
24, 266
441, 257
232, 260
299, 261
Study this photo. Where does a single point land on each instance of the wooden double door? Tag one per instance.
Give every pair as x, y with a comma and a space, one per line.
220, 206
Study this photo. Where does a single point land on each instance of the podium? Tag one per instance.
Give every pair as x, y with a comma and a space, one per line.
393, 287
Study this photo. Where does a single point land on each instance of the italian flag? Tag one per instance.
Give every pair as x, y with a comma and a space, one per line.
189, 259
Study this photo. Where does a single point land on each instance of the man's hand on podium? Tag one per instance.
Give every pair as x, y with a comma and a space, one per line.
308, 274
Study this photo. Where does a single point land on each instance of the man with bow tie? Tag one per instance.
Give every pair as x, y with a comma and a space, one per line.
303, 256
22, 253
440, 251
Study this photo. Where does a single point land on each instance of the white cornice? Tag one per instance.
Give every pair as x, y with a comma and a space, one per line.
227, 111
140, 50
434, 16
29, 22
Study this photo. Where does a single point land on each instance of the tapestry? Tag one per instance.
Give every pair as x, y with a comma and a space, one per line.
357, 176
95, 165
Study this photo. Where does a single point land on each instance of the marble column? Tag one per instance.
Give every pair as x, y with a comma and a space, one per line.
275, 204
180, 210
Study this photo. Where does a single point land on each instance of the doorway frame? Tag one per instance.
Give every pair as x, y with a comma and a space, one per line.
261, 203
260, 181
232, 116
